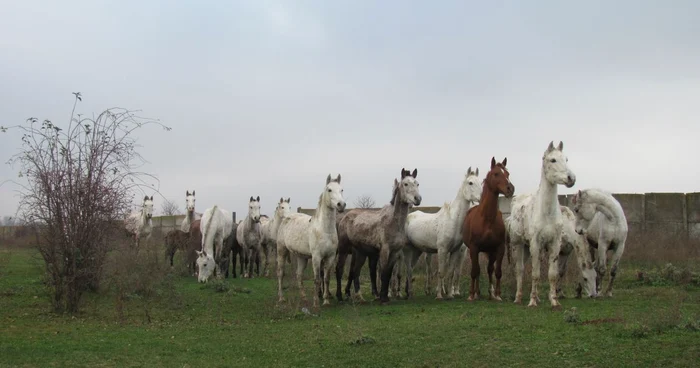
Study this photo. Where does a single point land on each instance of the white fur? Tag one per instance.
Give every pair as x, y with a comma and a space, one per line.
536, 222
216, 225
270, 229
441, 233
600, 217
571, 241
303, 237
249, 236
191, 215
139, 223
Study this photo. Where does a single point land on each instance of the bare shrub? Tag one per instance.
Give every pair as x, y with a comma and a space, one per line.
364, 201
141, 278
75, 187
170, 208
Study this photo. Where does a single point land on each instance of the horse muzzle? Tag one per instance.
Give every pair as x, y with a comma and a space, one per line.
510, 190
417, 200
570, 181
341, 206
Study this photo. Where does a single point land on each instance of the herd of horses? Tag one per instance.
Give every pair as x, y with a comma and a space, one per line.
393, 238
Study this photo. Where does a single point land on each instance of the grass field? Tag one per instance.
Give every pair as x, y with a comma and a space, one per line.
238, 323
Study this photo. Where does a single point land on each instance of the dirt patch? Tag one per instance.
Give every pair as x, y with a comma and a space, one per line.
602, 320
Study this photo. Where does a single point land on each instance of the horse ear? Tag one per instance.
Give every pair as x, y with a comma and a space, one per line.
257, 199
477, 171
561, 146
505, 161
193, 193
187, 193
328, 179
493, 162
288, 199
281, 199
415, 173
338, 179
251, 199
551, 146
469, 170
145, 198
403, 173
151, 197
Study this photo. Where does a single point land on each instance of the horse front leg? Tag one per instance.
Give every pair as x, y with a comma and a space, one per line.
358, 260
318, 284
553, 274
563, 260
519, 255
451, 270
387, 270
476, 270
457, 273
339, 268
442, 269
329, 265
373, 274
535, 255
489, 270
499, 271
281, 254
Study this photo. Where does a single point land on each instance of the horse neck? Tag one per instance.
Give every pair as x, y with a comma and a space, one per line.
275, 222
400, 212
142, 218
190, 216
325, 216
547, 197
607, 205
488, 202
459, 206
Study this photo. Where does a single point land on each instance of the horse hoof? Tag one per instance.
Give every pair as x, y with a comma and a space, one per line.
281, 300
326, 302
533, 304
439, 297
498, 299
450, 297
471, 298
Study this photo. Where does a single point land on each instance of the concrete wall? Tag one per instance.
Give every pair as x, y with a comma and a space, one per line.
675, 213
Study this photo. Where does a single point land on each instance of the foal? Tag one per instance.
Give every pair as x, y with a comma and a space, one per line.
484, 230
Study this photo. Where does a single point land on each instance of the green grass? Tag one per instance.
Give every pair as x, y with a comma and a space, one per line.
240, 324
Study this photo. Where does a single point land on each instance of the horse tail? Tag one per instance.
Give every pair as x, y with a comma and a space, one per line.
207, 239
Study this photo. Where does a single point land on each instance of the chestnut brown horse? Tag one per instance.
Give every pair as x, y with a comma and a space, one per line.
484, 230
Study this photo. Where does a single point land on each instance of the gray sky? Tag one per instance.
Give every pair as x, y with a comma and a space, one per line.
269, 97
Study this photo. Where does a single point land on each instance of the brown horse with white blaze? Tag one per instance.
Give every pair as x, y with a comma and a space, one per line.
484, 230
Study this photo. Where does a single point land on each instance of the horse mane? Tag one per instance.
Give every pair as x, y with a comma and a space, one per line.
394, 194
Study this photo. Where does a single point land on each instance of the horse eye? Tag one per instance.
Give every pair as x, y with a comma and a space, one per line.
585, 279
553, 160
329, 190
405, 184
471, 183
342, 190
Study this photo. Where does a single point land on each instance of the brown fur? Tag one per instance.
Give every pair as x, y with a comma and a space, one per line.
484, 230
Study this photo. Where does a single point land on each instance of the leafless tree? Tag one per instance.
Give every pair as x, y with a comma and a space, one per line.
170, 208
364, 201
75, 191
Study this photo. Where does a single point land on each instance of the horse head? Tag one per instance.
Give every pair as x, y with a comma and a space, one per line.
254, 209
189, 201
407, 188
205, 266
283, 208
471, 186
148, 207
332, 196
498, 178
555, 166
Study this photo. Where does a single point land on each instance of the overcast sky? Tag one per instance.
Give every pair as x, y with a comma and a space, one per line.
269, 97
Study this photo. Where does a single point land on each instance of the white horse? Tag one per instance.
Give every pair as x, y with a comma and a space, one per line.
269, 231
305, 237
138, 224
216, 225
536, 222
191, 215
441, 233
600, 218
571, 241
249, 236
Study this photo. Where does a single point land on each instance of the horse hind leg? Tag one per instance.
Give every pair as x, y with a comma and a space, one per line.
499, 271
339, 268
553, 274
318, 284
614, 263
373, 274
281, 254
301, 266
